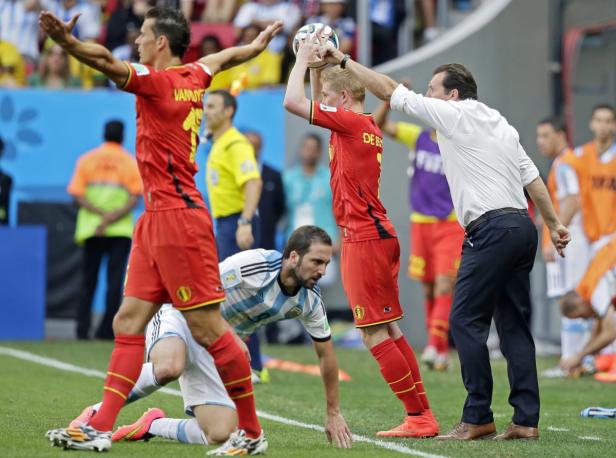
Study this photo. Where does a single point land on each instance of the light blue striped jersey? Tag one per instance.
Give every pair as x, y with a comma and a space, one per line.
255, 298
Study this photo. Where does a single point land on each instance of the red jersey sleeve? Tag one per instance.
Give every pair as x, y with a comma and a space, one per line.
142, 80
335, 119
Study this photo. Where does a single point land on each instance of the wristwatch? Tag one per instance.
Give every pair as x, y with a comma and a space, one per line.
244, 221
344, 61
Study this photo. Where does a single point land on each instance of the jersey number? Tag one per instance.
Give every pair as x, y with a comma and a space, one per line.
191, 124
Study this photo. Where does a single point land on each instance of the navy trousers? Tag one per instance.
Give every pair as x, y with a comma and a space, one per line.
493, 282
225, 235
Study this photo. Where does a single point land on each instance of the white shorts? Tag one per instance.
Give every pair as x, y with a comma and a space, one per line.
200, 383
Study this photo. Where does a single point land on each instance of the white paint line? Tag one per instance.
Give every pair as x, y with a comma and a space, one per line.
56, 364
558, 430
590, 438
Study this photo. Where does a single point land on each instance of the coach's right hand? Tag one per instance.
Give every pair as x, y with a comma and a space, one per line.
560, 238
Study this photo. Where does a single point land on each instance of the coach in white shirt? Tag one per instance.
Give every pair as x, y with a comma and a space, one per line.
487, 170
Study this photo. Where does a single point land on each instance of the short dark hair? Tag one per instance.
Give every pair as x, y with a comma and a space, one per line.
227, 99
457, 76
114, 131
603, 106
314, 136
557, 123
303, 237
172, 24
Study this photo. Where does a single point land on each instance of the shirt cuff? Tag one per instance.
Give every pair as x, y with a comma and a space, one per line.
398, 97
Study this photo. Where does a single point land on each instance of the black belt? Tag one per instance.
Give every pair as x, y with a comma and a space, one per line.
487, 216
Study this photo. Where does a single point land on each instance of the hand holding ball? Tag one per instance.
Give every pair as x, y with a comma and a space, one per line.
316, 33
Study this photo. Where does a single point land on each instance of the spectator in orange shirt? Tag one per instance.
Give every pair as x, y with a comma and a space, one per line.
106, 185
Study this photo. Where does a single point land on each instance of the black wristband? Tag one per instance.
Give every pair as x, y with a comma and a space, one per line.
344, 61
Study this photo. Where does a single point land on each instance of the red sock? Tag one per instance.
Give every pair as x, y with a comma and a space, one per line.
235, 373
397, 374
124, 369
440, 322
409, 355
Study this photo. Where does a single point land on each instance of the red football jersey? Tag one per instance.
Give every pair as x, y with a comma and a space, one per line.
169, 112
355, 149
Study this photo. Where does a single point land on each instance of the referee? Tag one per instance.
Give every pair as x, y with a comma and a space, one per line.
233, 179
487, 170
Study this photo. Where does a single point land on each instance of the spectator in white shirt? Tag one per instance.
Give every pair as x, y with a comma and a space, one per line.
266, 12
487, 170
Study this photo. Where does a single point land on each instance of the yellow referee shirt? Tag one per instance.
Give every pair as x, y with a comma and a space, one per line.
230, 164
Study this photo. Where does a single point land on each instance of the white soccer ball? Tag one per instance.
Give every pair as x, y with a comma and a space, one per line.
309, 32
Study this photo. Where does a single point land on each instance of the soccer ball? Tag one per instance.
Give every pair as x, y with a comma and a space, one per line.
308, 31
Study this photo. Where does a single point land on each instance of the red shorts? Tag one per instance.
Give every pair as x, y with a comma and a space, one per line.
370, 279
436, 249
174, 259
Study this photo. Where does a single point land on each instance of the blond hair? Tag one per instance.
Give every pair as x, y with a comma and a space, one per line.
342, 80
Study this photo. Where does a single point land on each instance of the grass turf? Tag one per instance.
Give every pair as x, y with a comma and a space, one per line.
34, 398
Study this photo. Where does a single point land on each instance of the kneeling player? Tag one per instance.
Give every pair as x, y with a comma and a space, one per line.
261, 287
594, 298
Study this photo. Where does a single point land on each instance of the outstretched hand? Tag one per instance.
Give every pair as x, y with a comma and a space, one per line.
263, 39
59, 31
307, 52
560, 238
337, 431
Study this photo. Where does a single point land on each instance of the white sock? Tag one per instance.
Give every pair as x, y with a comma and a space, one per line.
186, 431
146, 384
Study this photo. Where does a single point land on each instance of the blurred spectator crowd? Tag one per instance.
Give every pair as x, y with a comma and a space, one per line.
27, 58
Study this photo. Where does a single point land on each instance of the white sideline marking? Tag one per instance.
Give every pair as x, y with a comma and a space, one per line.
558, 430
590, 438
56, 364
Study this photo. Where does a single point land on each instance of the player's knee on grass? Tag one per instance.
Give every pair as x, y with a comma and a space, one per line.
168, 356
216, 422
206, 324
168, 371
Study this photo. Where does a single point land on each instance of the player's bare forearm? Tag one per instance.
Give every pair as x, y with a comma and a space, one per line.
380, 116
91, 54
295, 100
252, 194
605, 335
329, 373
315, 83
568, 208
236, 55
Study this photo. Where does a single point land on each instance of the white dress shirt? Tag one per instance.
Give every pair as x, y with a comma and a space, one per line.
485, 165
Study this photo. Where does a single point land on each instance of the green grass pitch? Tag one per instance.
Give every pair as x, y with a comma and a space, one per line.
34, 398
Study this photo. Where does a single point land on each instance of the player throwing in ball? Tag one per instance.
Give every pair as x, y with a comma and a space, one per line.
370, 251
173, 257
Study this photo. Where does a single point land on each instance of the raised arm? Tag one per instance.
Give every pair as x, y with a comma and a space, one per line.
380, 117
91, 54
335, 425
382, 86
295, 100
236, 55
